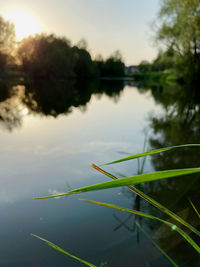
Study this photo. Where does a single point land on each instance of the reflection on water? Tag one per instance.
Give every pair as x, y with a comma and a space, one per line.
179, 123
50, 98
44, 153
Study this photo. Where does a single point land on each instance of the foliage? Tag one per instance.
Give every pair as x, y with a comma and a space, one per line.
194, 208
112, 66
127, 181
46, 56
7, 36
84, 67
178, 32
63, 251
145, 66
156, 245
180, 26
7, 43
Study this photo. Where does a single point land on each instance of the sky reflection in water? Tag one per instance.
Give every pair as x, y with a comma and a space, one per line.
47, 147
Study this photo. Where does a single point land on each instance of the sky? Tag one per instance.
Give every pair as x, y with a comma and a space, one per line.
107, 25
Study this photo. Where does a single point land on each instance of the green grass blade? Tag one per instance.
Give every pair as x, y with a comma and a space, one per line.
157, 246
63, 251
152, 202
152, 152
195, 209
136, 212
129, 181
120, 182
139, 213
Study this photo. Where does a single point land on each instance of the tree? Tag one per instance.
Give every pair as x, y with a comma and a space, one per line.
180, 31
112, 66
7, 42
145, 66
46, 56
7, 36
84, 67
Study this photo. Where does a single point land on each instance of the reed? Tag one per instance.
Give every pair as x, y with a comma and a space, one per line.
134, 180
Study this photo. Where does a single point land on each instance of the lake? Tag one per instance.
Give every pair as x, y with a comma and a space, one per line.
50, 134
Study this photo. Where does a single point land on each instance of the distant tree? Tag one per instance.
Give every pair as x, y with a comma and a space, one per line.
84, 67
46, 56
165, 60
99, 58
111, 67
7, 36
145, 66
117, 56
7, 42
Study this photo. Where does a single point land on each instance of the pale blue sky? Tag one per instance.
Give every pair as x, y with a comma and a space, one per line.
107, 25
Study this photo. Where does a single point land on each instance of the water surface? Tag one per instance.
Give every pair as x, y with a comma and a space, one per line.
50, 133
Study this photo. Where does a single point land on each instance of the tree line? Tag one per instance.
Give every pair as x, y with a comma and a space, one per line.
49, 56
178, 32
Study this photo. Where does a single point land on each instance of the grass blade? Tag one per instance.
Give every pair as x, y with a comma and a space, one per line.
63, 251
152, 152
157, 246
153, 202
139, 213
129, 181
195, 209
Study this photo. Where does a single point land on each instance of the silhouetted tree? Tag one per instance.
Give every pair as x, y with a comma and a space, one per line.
111, 67
46, 56
84, 67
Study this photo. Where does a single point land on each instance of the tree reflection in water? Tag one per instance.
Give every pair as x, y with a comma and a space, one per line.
49, 98
179, 124
11, 108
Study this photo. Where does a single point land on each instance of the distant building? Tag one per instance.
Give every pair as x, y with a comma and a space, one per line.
131, 69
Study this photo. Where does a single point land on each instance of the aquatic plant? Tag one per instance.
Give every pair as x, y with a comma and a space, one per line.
134, 180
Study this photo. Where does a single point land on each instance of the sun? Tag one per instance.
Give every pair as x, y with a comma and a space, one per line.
25, 23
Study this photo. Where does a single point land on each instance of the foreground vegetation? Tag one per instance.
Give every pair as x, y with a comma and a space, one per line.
134, 180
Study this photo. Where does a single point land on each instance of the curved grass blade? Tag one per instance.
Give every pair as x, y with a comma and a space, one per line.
195, 209
63, 251
139, 213
129, 181
157, 246
152, 152
153, 202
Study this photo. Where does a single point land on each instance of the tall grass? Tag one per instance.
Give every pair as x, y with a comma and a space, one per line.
157, 246
63, 251
138, 179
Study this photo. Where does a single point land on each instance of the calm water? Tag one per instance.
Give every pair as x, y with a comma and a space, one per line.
50, 133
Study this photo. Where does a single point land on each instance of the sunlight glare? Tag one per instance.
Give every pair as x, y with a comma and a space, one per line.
25, 23
25, 111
